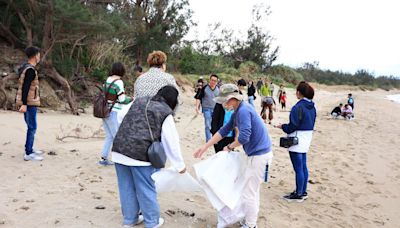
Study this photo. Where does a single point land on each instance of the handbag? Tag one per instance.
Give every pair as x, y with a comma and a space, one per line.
156, 151
287, 142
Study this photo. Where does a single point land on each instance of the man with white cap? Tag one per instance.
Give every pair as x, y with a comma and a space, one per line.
253, 136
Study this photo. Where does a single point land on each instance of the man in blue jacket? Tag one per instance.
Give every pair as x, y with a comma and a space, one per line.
253, 136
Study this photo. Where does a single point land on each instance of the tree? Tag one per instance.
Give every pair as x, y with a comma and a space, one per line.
257, 47
57, 26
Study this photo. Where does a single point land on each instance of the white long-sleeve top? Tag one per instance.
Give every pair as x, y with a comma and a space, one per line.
170, 142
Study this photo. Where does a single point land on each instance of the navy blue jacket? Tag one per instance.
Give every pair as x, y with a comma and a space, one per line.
302, 117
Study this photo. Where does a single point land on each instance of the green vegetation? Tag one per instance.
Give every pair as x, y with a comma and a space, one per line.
81, 39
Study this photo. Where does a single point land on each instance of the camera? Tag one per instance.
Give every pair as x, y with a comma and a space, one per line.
287, 142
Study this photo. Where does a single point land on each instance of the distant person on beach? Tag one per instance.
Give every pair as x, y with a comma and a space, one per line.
259, 85
267, 103
28, 99
265, 91
220, 118
254, 137
347, 112
149, 83
271, 88
116, 98
199, 85
350, 100
136, 187
283, 101
138, 71
204, 100
251, 93
337, 111
301, 125
280, 92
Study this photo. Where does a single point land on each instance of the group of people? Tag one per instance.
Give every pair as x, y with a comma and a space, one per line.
346, 111
230, 122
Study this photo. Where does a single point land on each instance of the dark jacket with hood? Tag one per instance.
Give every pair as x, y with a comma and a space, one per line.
302, 117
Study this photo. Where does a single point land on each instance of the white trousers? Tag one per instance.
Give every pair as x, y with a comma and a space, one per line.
254, 176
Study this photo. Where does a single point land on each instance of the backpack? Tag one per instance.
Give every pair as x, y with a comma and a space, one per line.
100, 104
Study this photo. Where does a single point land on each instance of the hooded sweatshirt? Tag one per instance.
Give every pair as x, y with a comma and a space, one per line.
301, 124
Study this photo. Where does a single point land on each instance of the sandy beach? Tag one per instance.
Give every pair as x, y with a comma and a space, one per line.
354, 170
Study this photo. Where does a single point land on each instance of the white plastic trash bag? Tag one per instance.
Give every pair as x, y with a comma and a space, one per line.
227, 217
220, 177
122, 113
170, 180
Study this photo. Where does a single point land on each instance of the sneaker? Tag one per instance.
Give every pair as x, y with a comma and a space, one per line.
305, 195
293, 197
139, 221
246, 226
160, 223
33, 157
105, 162
38, 152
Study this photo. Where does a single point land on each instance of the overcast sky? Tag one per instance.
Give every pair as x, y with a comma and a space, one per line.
342, 35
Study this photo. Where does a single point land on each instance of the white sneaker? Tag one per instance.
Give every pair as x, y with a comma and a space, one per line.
38, 152
140, 221
160, 223
33, 157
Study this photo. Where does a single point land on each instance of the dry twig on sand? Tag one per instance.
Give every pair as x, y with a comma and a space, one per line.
80, 131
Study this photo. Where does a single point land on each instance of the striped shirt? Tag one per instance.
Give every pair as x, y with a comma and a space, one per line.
117, 89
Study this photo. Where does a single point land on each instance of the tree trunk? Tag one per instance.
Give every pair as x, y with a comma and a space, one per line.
47, 45
7, 35
3, 83
52, 73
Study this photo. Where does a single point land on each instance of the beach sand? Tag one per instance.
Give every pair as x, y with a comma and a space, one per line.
354, 171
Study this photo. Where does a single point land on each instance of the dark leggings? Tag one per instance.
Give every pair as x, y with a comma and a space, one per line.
299, 161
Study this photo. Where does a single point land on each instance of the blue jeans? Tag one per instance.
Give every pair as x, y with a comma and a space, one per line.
137, 191
208, 113
251, 101
299, 161
30, 120
110, 125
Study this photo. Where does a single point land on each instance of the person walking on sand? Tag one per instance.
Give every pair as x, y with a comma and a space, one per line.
149, 83
301, 125
280, 92
204, 99
256, 142
268, 103
28, 99
271, 88
283, 101
259, 85
136, 187
116, 98
251, 93
265, 91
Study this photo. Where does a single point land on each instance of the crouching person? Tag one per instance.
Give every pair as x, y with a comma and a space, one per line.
136, 187
253, 136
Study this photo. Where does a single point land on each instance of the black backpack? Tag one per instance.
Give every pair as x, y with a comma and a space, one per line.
100, 104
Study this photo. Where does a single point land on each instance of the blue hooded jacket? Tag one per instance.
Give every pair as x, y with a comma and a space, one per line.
302, 117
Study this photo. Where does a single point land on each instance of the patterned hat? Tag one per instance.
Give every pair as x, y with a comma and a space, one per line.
226, 92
